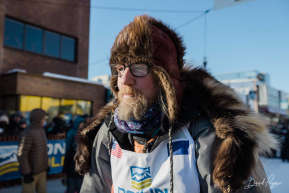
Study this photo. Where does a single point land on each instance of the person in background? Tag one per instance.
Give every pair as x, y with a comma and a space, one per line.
4, 123
274, 130
68, 119
285, 141
21, 127
14, 123
22, 124
74, 180
86, 118
32, 154
78, 122
56, 126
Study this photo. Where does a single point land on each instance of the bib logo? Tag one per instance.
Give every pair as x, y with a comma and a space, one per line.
140, 177
152, 190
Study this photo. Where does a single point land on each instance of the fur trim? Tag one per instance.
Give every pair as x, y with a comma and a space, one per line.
84, 137
243, 132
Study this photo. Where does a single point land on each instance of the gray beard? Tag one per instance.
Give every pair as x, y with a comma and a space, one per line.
129, 108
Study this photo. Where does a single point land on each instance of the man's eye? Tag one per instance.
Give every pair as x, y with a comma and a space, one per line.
120, 69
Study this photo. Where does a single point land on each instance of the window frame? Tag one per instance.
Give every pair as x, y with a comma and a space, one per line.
74, 61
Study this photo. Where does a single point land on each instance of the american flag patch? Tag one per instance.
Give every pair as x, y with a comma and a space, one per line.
116, 150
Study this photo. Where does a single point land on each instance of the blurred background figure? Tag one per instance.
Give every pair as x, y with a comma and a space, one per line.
274, 130
70, 137
32, 154
21, 127
86, 118
56, 126
14, 123
285, 141
4, 122
74, 180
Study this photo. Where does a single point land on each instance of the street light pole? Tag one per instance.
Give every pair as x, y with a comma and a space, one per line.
205, 39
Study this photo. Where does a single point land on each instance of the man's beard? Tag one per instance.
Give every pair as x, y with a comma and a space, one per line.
133, 107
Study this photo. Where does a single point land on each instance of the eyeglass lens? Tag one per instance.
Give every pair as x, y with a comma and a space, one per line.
135, 69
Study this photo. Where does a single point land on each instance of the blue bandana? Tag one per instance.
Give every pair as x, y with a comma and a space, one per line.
150, 120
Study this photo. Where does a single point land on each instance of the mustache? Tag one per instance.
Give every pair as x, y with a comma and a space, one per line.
129, 91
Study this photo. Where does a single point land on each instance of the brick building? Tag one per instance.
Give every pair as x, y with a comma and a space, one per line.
44, 57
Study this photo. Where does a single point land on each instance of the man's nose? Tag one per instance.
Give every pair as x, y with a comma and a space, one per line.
127, 78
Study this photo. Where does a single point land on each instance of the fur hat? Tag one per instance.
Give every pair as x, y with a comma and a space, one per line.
147, 40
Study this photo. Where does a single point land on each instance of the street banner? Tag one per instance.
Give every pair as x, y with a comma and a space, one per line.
219, 4
9, 165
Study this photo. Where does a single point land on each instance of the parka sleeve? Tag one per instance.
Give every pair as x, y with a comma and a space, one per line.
98, 179
24, 147
206, 144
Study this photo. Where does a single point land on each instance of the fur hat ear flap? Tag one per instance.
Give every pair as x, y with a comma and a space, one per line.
171, 107
113, 86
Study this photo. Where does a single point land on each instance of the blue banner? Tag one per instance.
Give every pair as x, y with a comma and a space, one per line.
9, 165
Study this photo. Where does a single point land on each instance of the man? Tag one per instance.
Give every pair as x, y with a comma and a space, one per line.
4, 123
21, 127
86, 118
32, 154
171, 128
14, 123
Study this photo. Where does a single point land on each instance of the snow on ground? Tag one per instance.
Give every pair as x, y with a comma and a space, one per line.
53, 186
277, 171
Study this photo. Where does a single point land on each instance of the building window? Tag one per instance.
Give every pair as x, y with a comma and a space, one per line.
67, 48
39, 40
14, 31
50, 106
68, 106
28, 103
33, 39
65, 108
10, 104
83, 107
52, 44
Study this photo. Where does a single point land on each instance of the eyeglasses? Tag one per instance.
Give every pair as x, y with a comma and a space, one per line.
137, 70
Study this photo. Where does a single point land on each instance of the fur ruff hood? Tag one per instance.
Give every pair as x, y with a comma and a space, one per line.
243, 132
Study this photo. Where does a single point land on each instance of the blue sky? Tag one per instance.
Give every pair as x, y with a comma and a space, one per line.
249, 36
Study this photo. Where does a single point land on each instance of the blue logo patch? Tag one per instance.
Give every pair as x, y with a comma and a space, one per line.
179, 148
140, 177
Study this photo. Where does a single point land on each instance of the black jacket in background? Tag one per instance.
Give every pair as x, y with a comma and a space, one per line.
69, 164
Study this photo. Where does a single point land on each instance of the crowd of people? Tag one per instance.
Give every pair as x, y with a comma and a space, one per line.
32, 146
17, 123
12, 126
